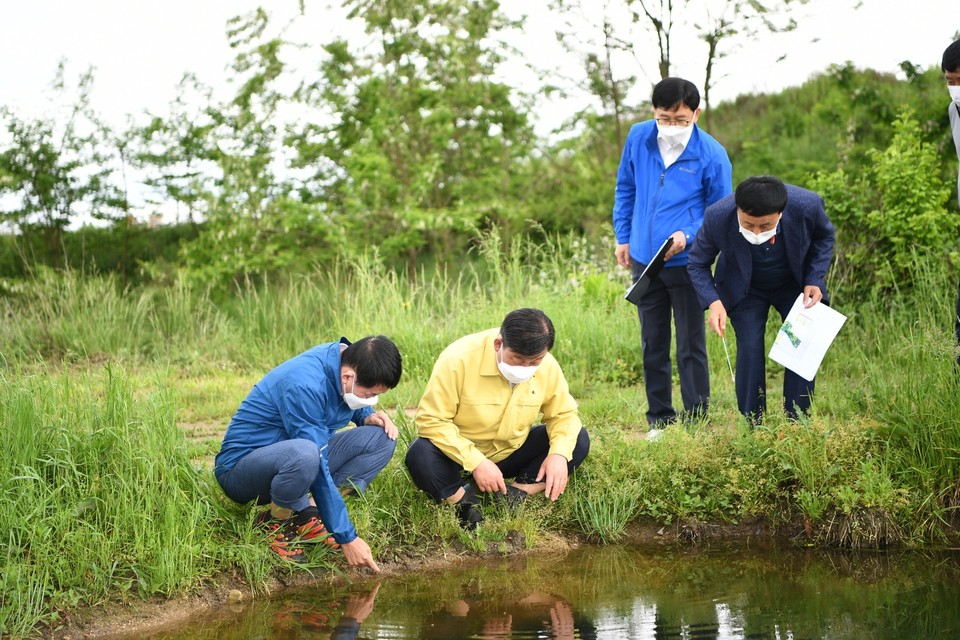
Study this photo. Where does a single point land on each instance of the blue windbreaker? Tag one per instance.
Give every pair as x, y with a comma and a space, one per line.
652, 202
301, 398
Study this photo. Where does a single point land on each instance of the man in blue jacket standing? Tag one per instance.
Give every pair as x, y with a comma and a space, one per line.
774, 242
670, 172
285, 446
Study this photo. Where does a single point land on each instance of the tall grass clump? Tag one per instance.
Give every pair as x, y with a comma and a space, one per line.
426, 311
56, 316
355, 298
69, 316
97, 498
186, 322
714, 475
72, 317
912, 389
604, 504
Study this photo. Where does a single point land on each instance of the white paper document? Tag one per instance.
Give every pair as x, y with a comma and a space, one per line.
805, 336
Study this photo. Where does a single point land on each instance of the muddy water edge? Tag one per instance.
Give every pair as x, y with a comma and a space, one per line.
723, 590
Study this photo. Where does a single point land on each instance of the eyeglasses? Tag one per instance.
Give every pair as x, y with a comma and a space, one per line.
670, 122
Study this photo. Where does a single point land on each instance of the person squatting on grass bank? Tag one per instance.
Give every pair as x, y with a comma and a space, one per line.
478, 414
950, 65
285, 445
670, 172
774, 242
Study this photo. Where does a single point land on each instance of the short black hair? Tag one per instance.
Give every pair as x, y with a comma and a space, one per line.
761, 196
527, 332
951, 58
376, 360
670, 93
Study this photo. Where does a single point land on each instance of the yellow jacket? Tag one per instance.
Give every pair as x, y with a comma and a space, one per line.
469, 411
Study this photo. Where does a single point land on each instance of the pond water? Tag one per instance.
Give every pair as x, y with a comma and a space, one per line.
624, 592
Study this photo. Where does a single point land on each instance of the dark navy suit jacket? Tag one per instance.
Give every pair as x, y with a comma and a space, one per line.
804, 228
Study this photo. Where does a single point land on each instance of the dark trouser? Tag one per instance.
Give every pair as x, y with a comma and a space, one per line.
749, 319
672, 290
438, 476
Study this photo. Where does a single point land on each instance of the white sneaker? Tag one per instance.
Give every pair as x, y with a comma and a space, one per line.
653, 435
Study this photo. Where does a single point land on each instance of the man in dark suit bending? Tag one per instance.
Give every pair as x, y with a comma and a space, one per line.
774, 242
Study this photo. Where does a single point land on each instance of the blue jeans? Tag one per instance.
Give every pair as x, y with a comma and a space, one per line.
749, 320
283, 472
439, 476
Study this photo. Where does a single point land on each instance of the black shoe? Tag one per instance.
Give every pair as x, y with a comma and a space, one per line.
470, 494
512, 499
515, 496
468, 513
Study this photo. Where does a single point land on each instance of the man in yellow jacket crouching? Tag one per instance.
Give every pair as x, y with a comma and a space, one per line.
478, 424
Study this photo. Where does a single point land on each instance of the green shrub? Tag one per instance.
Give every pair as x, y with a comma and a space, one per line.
893, 213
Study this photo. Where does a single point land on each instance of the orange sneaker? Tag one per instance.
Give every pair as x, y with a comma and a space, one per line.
313, 530
283, 535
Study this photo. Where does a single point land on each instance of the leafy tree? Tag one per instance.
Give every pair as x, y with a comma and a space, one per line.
226, 162
53, 171
238, 235
571, 184
421, 140
831, 120
177, 151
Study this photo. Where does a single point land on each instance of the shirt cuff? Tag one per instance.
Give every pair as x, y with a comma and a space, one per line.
344, 537
566, 452
473, 461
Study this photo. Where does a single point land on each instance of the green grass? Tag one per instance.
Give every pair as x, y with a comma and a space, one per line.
113, 401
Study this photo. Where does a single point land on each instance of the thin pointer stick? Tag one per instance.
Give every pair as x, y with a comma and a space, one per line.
729, 366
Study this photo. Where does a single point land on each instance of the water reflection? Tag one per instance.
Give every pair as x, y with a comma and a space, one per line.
620, 592
295, 619
535, 615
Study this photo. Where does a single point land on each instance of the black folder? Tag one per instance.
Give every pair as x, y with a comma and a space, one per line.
635, 292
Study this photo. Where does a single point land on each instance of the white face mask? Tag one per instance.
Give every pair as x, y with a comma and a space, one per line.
672, 133
356, 402
514, 373
954, 93
758, 238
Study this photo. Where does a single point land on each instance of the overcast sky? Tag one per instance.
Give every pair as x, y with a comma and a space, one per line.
141, 49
